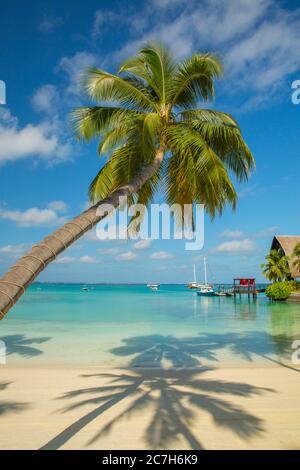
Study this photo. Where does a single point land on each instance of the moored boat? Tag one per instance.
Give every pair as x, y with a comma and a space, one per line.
153, 286
205, 290
194, 284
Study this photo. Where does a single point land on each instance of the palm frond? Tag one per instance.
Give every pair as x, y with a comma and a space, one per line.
228, 143
155, 65
90, 122
196, 173
277, 266
103, 183
112, 138
208, 115
156, 104
194, 80
296, 255
126, 160
128, 92
150, 128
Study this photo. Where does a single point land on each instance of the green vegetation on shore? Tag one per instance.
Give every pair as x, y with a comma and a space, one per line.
276, 268
282, 290
296, 255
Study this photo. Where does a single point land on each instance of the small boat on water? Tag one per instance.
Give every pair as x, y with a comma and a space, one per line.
205, 290
153, 286
194, 284
84, 288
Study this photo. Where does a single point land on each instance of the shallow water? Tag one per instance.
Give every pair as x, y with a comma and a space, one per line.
132, 326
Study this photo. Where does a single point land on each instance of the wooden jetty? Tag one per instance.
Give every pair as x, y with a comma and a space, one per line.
241, 286
244, 286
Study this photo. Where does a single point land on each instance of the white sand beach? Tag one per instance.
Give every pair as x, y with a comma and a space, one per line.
100, 408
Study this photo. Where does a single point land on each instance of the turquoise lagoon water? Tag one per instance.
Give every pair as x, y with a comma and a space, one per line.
117, 325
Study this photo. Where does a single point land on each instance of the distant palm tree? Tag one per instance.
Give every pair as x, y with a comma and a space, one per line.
296, 255
149, 123
277, 266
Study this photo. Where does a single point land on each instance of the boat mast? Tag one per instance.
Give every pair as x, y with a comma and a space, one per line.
195, 274
205, 273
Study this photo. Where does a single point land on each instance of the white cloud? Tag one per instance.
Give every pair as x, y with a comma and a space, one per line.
185, 28
65, 260
6, 118
40, 140
142, 244
74, 67
161, 255
161, 4
33, 217
267, 232
103, 19
14, 250
127, 256
48, 24
268, 55
82, 260
258, 39
58, 206
87, 260
109, 251
237, 246
46, 98
238, 17
11, 249
232, 234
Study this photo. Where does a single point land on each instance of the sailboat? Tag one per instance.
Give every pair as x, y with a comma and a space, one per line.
193, 285
205, 289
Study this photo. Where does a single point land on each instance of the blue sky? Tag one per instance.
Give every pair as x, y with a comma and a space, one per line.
45, 173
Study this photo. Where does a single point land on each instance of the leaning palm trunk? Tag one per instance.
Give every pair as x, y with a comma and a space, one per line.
155, 100
27, 268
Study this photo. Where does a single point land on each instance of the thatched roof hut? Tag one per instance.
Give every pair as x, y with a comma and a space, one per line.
286, 244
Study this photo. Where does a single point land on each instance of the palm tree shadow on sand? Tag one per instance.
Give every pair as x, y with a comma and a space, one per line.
165, 375
7, 407
23, 346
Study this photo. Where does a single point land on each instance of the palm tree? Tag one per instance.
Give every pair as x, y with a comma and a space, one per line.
296, 255
149, 124
277, 267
